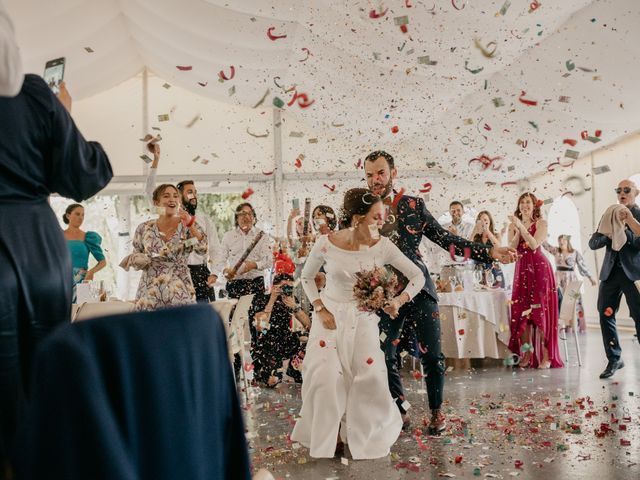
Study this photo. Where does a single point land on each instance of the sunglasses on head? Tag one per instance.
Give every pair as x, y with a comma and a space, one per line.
625, 190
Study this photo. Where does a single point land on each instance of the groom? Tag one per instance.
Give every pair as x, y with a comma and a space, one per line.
407, 221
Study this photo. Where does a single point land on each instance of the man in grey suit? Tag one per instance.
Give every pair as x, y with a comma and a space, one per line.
620, 274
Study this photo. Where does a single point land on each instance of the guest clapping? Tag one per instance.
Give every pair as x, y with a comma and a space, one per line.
81, 244
534, 311
161, 249
484, 232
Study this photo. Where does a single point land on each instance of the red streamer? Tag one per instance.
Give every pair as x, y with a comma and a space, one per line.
570, 141
184, 68
453, 2
224, 76
305, 49
374, 14
302, 99
426, 188
486, 161
531, 103
247, 193
273, 37
331, 188
397, 198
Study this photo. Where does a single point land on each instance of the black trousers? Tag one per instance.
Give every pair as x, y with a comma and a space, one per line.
199, 276
238, 288
423, 313
609, 296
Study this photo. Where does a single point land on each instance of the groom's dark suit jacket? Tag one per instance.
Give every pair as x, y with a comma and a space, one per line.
629, 254
413, 220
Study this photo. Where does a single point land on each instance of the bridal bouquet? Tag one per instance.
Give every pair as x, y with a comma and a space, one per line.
374, 288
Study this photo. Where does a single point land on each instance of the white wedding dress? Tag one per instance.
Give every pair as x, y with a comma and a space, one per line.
344, 377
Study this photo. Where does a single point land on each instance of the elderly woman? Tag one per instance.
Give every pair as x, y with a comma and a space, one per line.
161, 249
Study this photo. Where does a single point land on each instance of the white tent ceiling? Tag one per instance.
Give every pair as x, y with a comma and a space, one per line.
364, 74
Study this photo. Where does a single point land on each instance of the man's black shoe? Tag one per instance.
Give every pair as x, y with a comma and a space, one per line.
611, 369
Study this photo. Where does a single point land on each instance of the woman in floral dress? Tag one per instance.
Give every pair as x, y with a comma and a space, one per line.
161, 248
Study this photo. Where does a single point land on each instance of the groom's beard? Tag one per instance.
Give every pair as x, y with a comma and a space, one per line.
190, 206
387, 188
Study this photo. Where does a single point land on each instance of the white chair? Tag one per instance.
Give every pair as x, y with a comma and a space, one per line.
224, 308
567, 317
86, 311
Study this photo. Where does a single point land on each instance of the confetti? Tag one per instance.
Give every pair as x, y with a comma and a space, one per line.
505, 7
531, 103
454, 2
498, 102
255, 135
472, 70
564, 99
263, 98
488, 50
425, 60
374, 14
89, 49
308, 52
570, 65
224, 77
163, 117
369, 361
322, 343
302, 99
273, 37
184, 68
146, 158
247, 193
166, 85
331, 188
299, 160
277, 102
608, 311
572, 154
426, 188
395, 129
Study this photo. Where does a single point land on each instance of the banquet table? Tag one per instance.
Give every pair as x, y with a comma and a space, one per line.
475, 324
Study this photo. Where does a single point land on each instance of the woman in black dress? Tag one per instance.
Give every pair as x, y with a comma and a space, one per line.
41, 152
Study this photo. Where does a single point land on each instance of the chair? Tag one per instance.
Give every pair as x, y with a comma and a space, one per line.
87, 310
238, 334
146, 395
567, 317
224, 308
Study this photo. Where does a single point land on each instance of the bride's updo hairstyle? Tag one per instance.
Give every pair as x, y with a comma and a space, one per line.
357, 201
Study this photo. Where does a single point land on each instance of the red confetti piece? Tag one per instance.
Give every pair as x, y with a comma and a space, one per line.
570, 141
323, 343
184, 68
395, 342
422, 349
305, 49
369, 361
273, 37
417, 375
397, 198
625, 443
407, 3
598, 133
331, 188
551, 166
458, 459
531, 103
508, 184
518, 463
426, 188
584, 134
395, 129
268, 173
533, 6
486, 162
302, 99
203, 84
403, 28
487, 127
461, 331
299, 161
374, 14
608, 311
247, 193
359, 164
223, 76
453, 2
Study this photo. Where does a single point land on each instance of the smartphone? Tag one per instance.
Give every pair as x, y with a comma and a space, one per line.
54, 73
296, 203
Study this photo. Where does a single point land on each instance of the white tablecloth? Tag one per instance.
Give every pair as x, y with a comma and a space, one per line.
475, 324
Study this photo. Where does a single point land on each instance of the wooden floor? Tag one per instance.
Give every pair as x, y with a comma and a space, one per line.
503, 422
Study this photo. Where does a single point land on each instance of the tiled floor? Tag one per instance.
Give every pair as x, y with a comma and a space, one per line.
502, 423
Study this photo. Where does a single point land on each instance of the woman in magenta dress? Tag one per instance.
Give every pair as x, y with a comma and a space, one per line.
534, 309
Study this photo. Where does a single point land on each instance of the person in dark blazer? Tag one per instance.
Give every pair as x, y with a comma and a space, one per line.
140, 396
620, 274
41, 152
408, 220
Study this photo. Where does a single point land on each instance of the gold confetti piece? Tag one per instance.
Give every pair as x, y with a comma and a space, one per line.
425, 60
89, 49
468, 121
232, 91
205, 161
163, 118
264, 97
193, 121
146, 158
196, 159
313, 140
572, 154
166, 85
403, 20
498, 102
296, 134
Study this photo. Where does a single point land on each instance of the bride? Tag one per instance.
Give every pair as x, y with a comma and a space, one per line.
345, 394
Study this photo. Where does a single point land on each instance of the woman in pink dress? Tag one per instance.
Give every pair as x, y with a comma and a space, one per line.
534, 308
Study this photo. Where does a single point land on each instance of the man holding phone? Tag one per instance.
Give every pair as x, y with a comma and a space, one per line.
11, 75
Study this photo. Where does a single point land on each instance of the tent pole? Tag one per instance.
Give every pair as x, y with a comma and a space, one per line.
593, 214
278, 174
145, 115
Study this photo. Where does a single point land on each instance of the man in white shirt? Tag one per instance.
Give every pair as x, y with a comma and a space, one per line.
460, 228
11, 75
249, 277
202, 278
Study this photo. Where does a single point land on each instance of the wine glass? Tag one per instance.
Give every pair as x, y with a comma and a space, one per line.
490, 278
